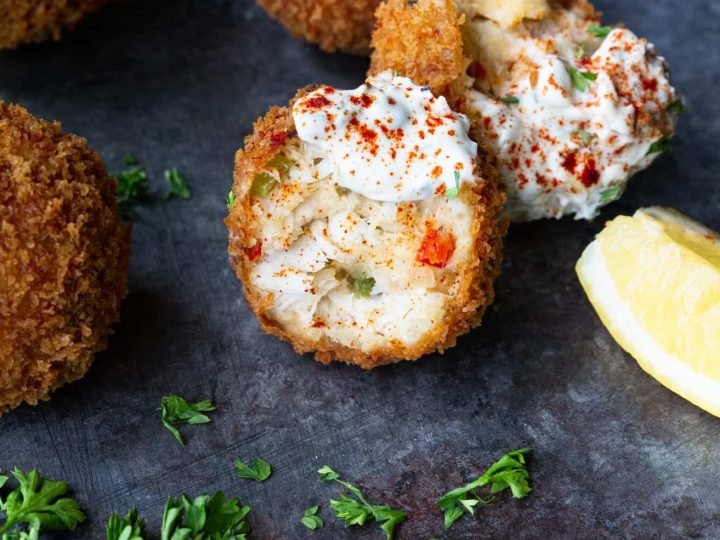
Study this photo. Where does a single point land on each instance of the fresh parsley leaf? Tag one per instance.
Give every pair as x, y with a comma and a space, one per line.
127, 528
230, 200
600, 31
177, 187
132, 187
33, 533
452, 193
3, 479
663, 144
581, 79
609, 195
510, 100
39, 503
509, 472
676, 107
311, 520
327, 474
205, 518
355, 510
176, 410
259, 471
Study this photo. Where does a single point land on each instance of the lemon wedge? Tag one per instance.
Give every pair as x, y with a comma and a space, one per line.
654, 279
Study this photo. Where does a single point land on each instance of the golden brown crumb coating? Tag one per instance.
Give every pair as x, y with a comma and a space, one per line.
63, 257
474, 294
334, 25
32, 21
421, 41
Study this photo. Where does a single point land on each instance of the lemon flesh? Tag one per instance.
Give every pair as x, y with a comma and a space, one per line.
654, 279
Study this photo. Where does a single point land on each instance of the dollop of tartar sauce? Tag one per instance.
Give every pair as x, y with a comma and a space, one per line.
390, 140
569, 148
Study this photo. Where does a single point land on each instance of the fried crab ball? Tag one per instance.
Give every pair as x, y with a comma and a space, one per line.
363, 224
571, 109
32, 21
63, 257
334, 25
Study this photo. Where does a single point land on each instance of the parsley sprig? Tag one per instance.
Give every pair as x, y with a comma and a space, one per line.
259, 470
126, 528
38, 503
177, 187
509, 472
354, 508
132, 187
205, 518
176, 410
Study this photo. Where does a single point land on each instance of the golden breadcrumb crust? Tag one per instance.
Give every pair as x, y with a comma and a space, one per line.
468, 305
421, 41
334, 25
33, 21
63, 257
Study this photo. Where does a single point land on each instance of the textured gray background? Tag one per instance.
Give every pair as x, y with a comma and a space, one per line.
178, 83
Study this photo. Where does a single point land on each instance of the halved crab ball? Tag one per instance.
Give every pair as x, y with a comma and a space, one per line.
362, 225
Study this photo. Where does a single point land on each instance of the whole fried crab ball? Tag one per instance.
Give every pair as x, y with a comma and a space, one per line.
334, 25
63, 257
571, 109
363, 225
33, 21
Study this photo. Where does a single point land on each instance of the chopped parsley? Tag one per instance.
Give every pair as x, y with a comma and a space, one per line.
585, 136
132, 187
230, 200
581, 79
176, 410
510, 100
452, 193
205, 518
310, 518
39, 504
177, 187
259, 470
580, 53
509, 472
126, 528
600, 31
676, 107
609, 195
663, 144
355, 510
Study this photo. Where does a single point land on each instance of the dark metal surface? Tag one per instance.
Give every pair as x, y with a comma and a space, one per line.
178, 83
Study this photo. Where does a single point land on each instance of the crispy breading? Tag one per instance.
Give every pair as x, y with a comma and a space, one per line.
421, 41
33, 21
467, 307
63, 257
334, 25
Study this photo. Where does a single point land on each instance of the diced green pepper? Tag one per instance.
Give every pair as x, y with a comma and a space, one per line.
362, 286
281, 162
263, 185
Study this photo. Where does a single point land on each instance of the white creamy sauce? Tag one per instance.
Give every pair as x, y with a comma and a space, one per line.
389, 140
565, 150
